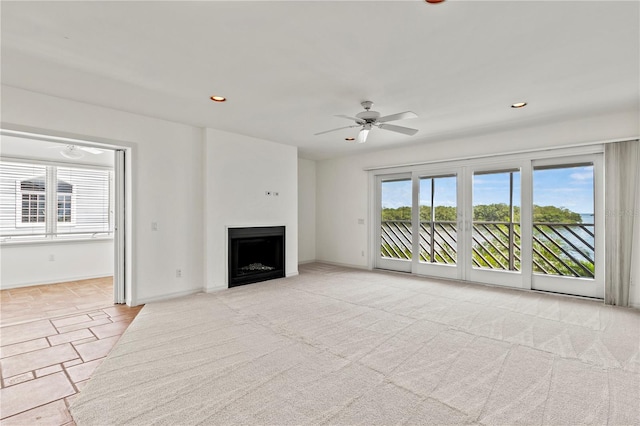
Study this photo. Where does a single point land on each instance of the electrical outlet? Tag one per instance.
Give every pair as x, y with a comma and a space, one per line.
362, 253
178, 273
360, 221
154, 226
52, 258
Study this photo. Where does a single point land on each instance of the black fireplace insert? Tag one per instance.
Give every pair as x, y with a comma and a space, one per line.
256, 254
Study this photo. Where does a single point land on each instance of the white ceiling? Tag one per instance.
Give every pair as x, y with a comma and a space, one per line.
288, 67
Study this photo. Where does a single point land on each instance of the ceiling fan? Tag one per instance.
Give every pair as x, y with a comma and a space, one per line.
368, 119
75, 152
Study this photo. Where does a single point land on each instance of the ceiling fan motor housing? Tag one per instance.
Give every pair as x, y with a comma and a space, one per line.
368, 116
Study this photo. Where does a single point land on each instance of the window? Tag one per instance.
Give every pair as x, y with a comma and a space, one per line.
496, 220
50, 202
32, 201
395, 226
563, 220
438, 219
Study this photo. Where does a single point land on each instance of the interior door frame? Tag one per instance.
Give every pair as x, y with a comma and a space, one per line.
123, 287
119, 227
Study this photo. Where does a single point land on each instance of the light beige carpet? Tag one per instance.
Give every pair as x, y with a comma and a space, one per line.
344, 346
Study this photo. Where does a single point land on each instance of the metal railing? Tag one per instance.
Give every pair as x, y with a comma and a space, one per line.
565, 249
396, 239
496, 245
438, 242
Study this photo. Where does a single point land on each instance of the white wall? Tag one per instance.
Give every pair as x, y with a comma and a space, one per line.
306, 210
31, 264
343, 186
239, 170
167, 183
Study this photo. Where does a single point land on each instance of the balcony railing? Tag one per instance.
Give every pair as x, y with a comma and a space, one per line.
396, 239
496, 245
438, 242
565, 249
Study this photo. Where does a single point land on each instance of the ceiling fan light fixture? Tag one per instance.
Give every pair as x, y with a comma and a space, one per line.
72, 152
216, 98
519, 105
364, 133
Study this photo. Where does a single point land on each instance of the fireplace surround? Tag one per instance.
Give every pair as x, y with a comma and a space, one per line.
256, 254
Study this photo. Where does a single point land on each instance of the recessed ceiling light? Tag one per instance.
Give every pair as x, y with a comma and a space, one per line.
349, 139
519, 105
218, 98
434, 1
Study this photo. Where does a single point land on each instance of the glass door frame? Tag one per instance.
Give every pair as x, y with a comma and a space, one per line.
518, 279
464, 170
399, 265
588, 287
439, 269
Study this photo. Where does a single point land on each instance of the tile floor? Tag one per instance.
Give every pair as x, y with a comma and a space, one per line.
52, 338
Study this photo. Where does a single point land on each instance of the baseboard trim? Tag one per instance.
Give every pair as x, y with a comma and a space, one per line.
213, 289
145, 300
344, 265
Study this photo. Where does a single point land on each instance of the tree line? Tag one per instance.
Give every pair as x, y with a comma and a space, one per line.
497, 212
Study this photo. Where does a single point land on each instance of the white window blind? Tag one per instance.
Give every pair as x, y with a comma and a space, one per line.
86, 208
53, 202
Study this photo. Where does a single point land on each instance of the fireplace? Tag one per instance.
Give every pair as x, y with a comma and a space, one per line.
255, 254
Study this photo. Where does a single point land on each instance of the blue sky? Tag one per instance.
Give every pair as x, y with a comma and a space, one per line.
571, 188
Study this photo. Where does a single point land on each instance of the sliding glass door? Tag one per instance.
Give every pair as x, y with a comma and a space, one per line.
567, 223
438, 225
495, 234
534, 224
394, 222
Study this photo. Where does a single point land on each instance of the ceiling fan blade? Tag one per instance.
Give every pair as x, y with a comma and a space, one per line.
91, 149
399, 129
333, 130
398, 116
357, 120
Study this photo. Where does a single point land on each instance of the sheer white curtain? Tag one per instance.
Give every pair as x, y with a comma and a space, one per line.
622, 176
634, 295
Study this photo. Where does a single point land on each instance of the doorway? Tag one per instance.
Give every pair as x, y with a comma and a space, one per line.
523, 222
63, 204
